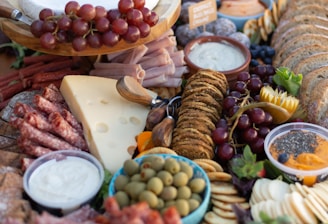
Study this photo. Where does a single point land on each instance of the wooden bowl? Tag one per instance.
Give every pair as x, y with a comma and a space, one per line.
234, 45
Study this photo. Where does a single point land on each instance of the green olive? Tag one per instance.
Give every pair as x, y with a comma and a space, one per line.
157, 163
145, 165
136, 177
180, 179
130, 167
184, 192
146, 174
169, 193
166, 177
193, 204
133, 189
155, 185
150, 158
196, 197
149, 197
182, 206
169, 203
120, 182
160, 204
122, 198
197, 185
172, 165
186, 168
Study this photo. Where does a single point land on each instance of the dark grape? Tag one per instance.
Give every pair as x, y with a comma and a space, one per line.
61, 36
64, 23
270, 70
256, 115
48, 41
254, 84
225, 152
235, 94
249, 135
244, 122
263, 131
243, 76
240, 86
268, 118
229, 102
233, 110
48, 26
257, 146
260, 70
220, 135
222, 123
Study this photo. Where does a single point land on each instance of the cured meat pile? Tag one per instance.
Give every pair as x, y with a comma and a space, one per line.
155, 64
47, 125
37, 72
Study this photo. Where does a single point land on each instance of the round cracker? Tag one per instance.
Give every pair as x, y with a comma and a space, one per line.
319, 212
205, 166
212, 218
224, 213
227, 188
219, 176
228, 198
301, 209
217, 166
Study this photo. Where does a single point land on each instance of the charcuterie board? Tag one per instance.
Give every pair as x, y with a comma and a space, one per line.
167, 10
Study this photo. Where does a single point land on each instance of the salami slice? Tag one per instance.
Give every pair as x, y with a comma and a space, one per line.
68, 116
38, 120
66, 131
46, 105
52, 95
31, 148
44, 138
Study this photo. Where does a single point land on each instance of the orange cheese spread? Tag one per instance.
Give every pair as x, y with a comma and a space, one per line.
301, 150
241, 8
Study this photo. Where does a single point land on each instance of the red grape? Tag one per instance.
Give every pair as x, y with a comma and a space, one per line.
80, 27
257, 146
229, 102
61, 36
94, 40
244, 122
243, 76
125, 5
268, 118
45, 13
139, 4
254, 84
79, 43
87, 12
48, 26
102, 24
249, 135
240, 86
146, 13
144, 29
100, 12
134, 17
113, 14
120, 26
72, 7
235, 94
132, 35
152, 19
110, 38
233, 110
48, 41
220, 135
256, 115
64, 23
263, 131
225, 152
36, 28
223, 123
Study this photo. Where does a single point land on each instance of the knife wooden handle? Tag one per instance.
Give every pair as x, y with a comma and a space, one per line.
6, 9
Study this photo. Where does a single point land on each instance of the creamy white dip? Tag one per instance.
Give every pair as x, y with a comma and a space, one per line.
64, 181
216, 56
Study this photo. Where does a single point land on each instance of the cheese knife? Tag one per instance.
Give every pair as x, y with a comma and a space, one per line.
10, 12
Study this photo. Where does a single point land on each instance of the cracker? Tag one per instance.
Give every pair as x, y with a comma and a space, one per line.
212, 218
224, 213
217, 166
219, 187
205, 166
219, 176
229, 198
319, 212
301, 209
228, 206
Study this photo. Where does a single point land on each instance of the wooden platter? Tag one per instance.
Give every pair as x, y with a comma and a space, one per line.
167, 10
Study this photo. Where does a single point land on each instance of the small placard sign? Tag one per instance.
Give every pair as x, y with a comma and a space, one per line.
202, 13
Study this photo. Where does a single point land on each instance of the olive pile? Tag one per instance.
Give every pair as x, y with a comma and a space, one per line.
161, 183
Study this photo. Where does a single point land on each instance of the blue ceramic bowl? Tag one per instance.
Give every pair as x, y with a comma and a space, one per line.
240, 21
196, 216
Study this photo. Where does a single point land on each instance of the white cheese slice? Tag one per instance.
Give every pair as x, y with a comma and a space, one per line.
110, 122
32, 8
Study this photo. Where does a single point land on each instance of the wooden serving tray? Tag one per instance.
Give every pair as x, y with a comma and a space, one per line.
167, 10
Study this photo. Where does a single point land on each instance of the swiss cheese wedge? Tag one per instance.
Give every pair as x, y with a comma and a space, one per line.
110, 122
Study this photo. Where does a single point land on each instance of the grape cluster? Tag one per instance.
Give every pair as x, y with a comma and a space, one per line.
87, 25
243, 122
264, 53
